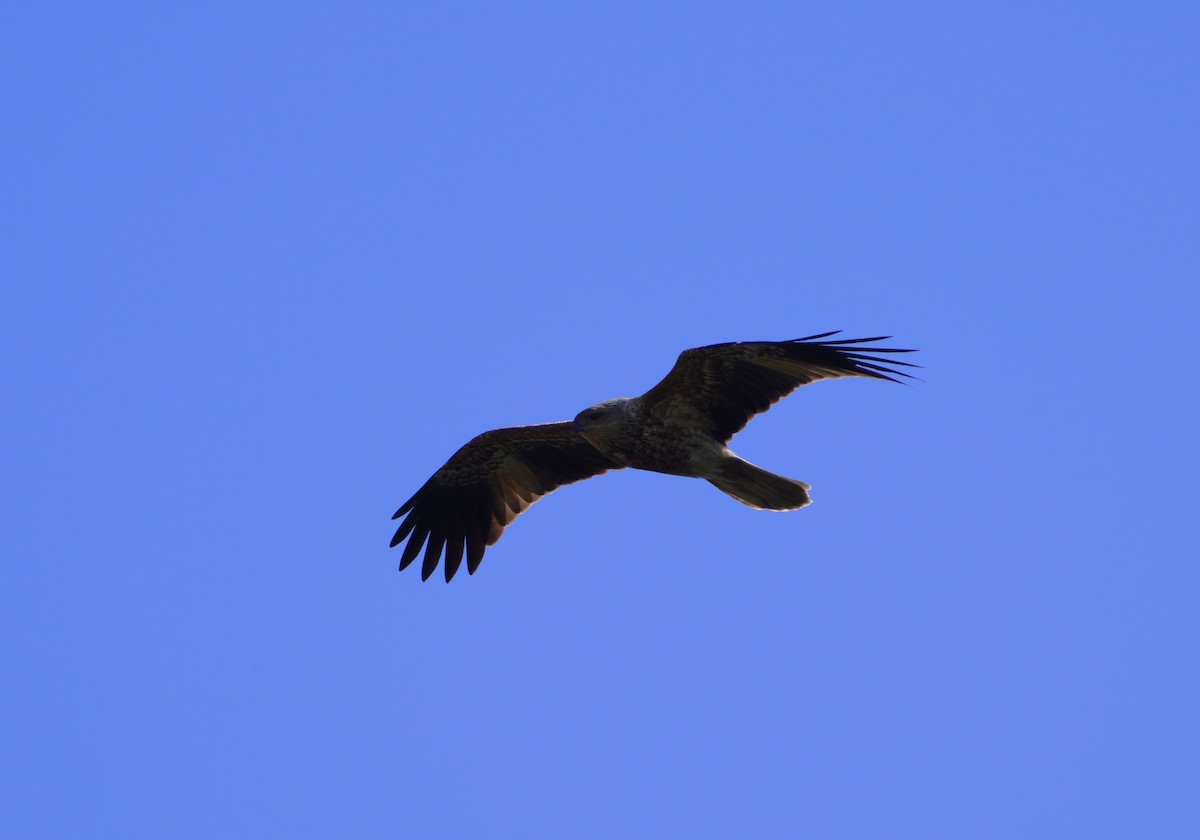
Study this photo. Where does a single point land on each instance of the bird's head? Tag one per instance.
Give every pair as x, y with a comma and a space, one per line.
599, 419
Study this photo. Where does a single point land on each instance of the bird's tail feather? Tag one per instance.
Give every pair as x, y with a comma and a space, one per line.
758, 488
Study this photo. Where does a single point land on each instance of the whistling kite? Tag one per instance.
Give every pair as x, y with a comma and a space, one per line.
680, 427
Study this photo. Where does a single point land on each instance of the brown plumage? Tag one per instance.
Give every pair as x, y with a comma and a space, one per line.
680, 426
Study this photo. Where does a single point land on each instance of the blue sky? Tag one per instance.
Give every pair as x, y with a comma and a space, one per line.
269, 265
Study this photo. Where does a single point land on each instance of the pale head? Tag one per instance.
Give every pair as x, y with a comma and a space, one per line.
601, 419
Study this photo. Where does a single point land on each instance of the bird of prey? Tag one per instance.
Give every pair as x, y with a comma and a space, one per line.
680, 426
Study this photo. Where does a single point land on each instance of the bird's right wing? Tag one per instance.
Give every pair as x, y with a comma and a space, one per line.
485, 486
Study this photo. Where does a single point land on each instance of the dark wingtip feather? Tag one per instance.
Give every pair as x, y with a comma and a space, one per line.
413, 548
818, 336
839, 342
858, 340
881, 372
455, 544
433, 553
859, 357
870, 367
403, 531
475, 550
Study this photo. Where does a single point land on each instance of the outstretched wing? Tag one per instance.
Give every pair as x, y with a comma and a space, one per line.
485, 486
720, 387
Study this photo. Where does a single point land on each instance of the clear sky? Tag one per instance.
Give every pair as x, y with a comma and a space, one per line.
268, 265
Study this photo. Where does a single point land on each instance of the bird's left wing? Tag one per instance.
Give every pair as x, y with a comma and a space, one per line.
485, 485
721, 386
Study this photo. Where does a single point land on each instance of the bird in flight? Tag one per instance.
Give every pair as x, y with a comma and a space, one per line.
680, 426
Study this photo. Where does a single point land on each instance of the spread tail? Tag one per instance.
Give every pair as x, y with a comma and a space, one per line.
758, 488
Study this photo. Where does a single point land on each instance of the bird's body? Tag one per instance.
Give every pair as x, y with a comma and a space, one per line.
641, 437
679, 427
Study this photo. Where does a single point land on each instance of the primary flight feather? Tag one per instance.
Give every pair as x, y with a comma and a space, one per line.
680, 427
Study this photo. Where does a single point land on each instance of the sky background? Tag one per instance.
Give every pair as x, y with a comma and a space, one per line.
268, 265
